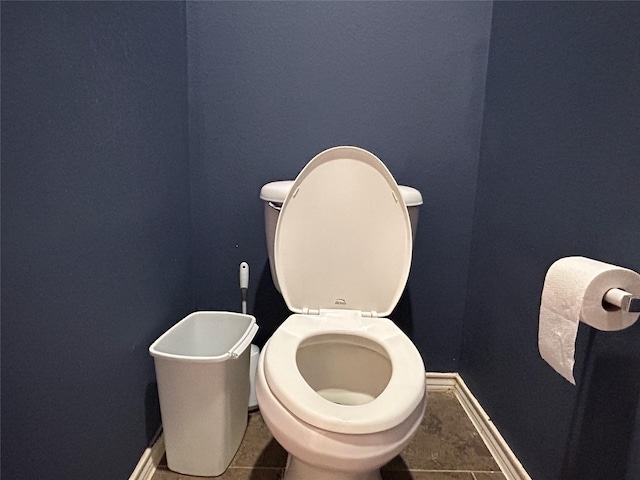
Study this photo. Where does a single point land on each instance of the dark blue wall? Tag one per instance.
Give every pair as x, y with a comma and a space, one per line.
272, 84
118, 118
95, 222
558, 176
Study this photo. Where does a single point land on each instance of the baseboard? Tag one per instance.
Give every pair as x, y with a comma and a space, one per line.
150, 459
436, 382
505, 458
442, 382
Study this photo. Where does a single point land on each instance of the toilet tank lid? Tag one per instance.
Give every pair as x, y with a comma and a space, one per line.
411, 196
277, 192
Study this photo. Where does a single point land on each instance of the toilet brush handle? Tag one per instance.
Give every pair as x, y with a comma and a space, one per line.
244, 284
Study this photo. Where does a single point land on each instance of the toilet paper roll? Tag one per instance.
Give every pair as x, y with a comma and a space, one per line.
573, 291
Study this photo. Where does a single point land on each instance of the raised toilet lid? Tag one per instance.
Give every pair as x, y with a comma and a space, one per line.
343, 239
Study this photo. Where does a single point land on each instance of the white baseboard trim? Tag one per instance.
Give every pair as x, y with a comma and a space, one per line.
436, 382
150, 459
505, 458
441, 382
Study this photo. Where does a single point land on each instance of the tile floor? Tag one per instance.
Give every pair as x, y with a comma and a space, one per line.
446, 447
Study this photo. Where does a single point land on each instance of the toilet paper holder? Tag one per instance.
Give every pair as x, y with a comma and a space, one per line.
622, 299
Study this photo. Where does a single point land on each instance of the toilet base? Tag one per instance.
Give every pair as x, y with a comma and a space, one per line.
298, 470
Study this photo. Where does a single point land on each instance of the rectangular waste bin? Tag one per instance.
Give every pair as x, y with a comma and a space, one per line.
202, 369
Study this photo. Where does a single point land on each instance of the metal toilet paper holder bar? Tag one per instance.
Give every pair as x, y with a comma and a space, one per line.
623, 300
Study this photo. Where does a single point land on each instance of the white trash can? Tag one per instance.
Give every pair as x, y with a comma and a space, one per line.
202, 368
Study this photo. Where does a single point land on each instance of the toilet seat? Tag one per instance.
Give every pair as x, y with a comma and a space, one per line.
401, 396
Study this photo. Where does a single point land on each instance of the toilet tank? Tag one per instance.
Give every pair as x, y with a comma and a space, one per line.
274, 193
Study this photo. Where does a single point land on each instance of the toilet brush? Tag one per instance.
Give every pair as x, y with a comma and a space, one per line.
255, 351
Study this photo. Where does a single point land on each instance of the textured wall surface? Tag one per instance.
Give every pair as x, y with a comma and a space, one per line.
136, 137
557, 177
95, 222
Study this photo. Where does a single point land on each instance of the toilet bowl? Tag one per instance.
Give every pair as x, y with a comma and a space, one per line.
340, 386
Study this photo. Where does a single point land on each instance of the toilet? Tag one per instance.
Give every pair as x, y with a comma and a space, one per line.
339, 385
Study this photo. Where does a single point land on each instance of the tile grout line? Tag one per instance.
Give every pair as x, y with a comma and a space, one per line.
429, 470
254, 468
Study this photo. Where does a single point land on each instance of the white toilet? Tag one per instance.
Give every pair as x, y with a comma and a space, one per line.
340, 387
